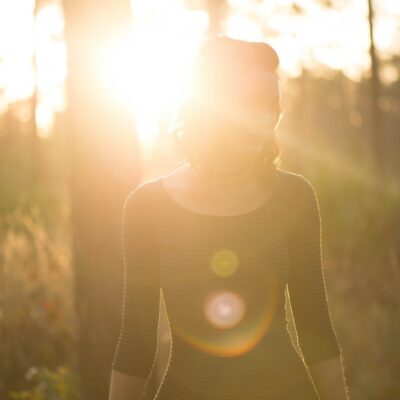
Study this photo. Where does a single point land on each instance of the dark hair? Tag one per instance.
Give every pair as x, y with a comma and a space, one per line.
219, 71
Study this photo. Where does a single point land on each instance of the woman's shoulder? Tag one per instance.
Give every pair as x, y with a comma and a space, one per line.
143, 194
300, 196
140, 191
295, 182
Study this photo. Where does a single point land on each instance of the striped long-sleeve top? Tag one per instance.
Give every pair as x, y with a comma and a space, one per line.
223, 280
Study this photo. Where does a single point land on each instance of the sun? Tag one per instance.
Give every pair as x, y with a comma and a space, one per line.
148, 70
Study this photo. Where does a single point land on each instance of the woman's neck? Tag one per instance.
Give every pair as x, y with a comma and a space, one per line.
206, 180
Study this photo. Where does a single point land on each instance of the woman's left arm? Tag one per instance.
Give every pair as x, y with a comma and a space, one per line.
329, 380
308, 298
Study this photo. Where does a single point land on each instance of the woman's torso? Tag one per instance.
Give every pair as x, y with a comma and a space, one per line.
223, 280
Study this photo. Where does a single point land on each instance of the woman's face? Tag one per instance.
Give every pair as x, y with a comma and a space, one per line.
234, 125
235, 141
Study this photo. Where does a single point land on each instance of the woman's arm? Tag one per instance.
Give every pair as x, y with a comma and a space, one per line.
308, 298
135, 352
125, 386
329, 380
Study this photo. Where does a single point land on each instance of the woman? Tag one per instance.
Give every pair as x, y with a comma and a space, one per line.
224, 236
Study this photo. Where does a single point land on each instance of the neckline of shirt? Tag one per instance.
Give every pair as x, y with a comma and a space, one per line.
250, 213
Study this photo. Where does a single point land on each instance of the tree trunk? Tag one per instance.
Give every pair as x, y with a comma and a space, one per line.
104, 168
216, 13
377, 132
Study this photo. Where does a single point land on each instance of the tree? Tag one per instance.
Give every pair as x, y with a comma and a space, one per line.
104, 162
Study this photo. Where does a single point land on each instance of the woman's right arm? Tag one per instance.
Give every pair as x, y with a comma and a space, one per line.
135, 352
124, 386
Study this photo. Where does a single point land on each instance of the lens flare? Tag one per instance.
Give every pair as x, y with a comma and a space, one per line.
224, 309
231, 327
224, 262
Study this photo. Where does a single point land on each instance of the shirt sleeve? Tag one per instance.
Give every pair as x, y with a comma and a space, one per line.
306, 285
137, 343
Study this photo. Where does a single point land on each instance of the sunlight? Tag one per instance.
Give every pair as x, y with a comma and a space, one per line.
149, 70
17, 30
240, 27
16, 26
51, 56
44, 119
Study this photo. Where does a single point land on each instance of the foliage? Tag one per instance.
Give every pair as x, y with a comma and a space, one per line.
37, 315
61, 384
360, 231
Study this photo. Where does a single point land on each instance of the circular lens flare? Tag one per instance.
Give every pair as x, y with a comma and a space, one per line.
224, 262
224, 309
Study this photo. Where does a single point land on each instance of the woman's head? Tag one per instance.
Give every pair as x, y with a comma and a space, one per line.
230, 115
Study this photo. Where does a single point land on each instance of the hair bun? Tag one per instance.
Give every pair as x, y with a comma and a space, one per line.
224, 50
224, 66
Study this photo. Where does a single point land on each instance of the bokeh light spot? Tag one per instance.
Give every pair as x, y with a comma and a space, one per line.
224, 309
224, 262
